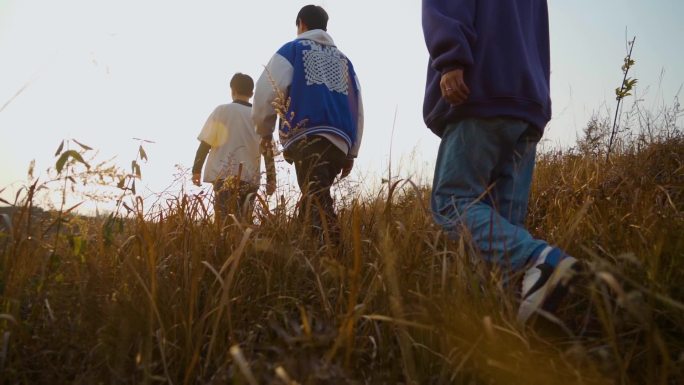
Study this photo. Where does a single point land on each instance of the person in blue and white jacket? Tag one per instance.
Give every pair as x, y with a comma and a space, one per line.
312, 87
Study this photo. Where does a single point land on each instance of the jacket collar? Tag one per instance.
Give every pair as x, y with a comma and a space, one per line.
317, 35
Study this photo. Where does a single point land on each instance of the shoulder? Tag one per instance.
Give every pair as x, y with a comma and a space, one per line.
288, 49
350, 64
221, 112
222, 107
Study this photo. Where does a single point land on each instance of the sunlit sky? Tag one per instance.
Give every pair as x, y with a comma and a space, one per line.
104, 72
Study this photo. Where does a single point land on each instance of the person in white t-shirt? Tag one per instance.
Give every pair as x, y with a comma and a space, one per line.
233, 148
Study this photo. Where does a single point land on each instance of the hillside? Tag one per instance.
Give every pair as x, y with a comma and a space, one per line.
173, 297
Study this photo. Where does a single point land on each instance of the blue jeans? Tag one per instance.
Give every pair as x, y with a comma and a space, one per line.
482, 185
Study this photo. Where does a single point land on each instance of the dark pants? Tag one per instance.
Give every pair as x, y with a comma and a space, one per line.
317, 162
234, 197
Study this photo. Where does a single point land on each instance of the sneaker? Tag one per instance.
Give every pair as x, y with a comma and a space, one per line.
544, 285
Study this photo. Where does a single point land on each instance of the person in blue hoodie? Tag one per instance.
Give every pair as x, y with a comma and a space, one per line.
312, 87
487, 97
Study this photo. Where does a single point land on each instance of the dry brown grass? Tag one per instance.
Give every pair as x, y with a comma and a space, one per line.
173, 297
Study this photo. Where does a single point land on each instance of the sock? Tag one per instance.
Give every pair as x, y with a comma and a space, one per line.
554, 257
547, 254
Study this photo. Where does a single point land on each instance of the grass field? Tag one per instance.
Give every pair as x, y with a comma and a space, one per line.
170, 296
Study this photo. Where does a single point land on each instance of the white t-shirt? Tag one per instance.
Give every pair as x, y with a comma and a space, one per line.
230, 132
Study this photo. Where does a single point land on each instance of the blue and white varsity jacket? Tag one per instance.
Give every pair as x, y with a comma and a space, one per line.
315, 86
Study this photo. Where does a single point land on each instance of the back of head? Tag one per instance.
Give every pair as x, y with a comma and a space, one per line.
242, 84
314, 16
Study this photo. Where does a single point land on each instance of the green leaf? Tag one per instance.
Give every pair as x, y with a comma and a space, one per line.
59, 149
135, 169
77, 157
83, 146
628, 64
59, 165
143, 154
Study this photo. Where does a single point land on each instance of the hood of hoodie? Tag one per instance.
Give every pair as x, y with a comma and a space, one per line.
318, 35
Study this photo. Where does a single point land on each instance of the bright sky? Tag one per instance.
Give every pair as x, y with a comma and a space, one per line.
104, 72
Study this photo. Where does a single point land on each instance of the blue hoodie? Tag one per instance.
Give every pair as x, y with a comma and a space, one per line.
502, 47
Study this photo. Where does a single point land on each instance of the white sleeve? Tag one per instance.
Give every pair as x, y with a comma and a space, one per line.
273, 82
354, 152
208, 133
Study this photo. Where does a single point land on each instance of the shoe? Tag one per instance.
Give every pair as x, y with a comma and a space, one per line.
544, 285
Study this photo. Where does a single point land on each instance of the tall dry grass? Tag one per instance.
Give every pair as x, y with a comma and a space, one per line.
170, 296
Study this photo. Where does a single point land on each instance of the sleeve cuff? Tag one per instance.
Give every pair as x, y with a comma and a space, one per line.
452, 67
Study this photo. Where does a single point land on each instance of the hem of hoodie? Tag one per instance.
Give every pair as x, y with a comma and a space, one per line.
526, 110
317, 131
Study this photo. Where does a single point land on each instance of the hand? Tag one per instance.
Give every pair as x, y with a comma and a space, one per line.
347, 167
454, 89
196, 179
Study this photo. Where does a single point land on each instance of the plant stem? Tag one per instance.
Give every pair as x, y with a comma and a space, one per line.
613, 132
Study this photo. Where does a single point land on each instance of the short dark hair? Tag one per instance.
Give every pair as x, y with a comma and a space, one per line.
242, 84
314, 16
